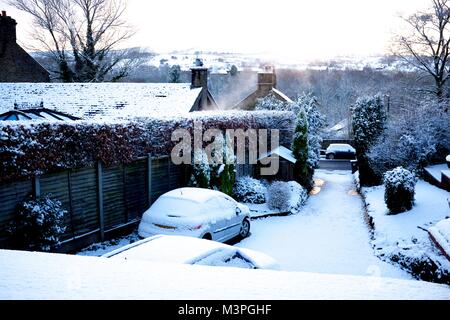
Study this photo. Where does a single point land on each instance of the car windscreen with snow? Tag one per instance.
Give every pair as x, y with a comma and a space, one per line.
226, 257
186, 250
175, 208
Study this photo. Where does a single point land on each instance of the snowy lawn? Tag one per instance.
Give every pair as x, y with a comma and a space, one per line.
329, 235
26, 275
404, 237
99, 249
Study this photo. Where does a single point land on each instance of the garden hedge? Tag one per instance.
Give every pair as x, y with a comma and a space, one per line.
28, 149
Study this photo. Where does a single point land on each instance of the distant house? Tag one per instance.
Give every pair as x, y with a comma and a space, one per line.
267, 82
341, 130
16, 65
111, 101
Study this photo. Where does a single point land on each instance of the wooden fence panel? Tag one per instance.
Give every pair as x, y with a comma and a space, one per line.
83, 184
57, 185
176, 177
11, 195
113, 197
136, 189
160, 178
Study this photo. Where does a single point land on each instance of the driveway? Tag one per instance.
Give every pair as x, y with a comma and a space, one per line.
335, 164
329, 236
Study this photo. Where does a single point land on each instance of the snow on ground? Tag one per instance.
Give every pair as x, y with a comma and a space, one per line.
441, 234
99, 249
261, 210
328, 236
408, 231
430, 207
33, 276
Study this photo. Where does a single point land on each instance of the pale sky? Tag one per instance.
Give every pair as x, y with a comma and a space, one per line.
301, 29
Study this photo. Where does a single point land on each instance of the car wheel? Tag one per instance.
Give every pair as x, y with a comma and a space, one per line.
207, 237
245, 229
331, 156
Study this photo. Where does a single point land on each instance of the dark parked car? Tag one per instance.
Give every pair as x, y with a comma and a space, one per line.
341, 151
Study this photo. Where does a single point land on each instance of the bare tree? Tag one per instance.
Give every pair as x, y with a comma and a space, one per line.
81, 35
427, 45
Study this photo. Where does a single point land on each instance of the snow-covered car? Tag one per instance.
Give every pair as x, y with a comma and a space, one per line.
341, 151
197, 213
188, 250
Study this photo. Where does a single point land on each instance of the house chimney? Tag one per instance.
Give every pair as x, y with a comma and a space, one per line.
267, 80
199, 77
7, 28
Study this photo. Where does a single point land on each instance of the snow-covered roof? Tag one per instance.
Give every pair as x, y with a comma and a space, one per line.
282, 96
282, 152
36, 114
101, 100
339, 126
27, 275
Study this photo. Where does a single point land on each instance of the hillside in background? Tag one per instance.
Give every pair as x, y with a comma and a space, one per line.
337, 83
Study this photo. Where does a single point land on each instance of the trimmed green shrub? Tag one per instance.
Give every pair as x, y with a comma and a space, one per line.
249, 190
286, 197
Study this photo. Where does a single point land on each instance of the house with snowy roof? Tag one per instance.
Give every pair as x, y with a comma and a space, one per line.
16, 65
110, 101
267, 82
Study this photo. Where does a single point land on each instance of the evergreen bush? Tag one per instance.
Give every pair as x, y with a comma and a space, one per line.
39, 225
249, 190
368, 122
400, 190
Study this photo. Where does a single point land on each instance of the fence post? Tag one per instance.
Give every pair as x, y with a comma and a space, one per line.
149, 179
169, 171
100, 199
37, 187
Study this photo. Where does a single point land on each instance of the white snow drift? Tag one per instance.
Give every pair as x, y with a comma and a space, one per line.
25, 275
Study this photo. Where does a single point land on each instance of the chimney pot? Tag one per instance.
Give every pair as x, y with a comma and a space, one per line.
199, 77
267, 80
7, 28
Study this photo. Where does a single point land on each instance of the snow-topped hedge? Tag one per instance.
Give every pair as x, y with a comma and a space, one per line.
400, 190
249, 190
287, 197
35, 148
